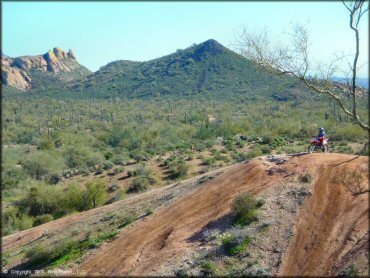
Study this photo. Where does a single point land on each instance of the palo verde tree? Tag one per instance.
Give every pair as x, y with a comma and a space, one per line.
293, 58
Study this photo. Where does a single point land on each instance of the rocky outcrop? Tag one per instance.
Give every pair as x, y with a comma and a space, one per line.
71, 54
18, 72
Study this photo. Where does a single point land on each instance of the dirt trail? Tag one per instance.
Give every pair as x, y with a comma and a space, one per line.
330, 224
142, 249
322, 235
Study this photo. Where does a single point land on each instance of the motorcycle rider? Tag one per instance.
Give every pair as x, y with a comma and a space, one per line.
321, 135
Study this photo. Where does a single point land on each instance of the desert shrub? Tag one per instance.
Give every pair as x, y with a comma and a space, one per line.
76, 156
45, 254
107, 165
178, 169
13, 220
305, 178
240, 156
208, 268
44, 143
116, 137
138, 156
265, 149
95, 194
240, 144
26, 137
42, 199
260, 203
131, 173
139, 184
43, 164
41, 219
209, 161
350, 271
53, 179
235, 245
348, 132
222, 158
127, 221
255, 152
244, 208
118, 160
267, 139
118, 170
108, 155
12, 176
73, 198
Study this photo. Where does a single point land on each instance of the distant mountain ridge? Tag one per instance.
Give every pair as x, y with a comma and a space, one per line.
361, 81
36, 72
208, 67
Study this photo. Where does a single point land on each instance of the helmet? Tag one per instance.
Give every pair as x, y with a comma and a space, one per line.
321, 129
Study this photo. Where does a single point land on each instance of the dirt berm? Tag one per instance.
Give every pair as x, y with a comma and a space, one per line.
330, 230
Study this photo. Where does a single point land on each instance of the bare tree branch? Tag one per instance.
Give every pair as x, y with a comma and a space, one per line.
294, 59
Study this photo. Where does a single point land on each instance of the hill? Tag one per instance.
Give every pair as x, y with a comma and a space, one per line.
205, 68
307, 226
40, 72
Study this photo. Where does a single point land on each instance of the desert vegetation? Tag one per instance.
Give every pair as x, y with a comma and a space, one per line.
54, 140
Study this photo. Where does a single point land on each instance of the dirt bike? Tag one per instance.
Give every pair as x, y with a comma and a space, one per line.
316, 144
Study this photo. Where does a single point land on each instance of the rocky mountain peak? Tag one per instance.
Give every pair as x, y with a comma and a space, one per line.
18, 72
211, 47
59, 53
71, 54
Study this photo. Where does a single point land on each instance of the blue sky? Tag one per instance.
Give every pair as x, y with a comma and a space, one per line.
101, 32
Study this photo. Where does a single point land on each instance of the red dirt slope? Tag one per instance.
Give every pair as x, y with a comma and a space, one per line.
331, 223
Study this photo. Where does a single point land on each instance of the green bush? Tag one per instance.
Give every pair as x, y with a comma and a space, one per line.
73, 198
65, 250
178, 169
208, 268
45, 143
95, 194
41, 219
234, 246
42, 164
42, 254
108, 155
12, 176
255, 152
13, 220
351, 271
26, 137
127, 221
43, 199
118, 170
244, 208
209, 161
107, 165
265, 149
139, 184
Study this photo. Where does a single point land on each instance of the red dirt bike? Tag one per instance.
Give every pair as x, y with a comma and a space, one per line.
317, 144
